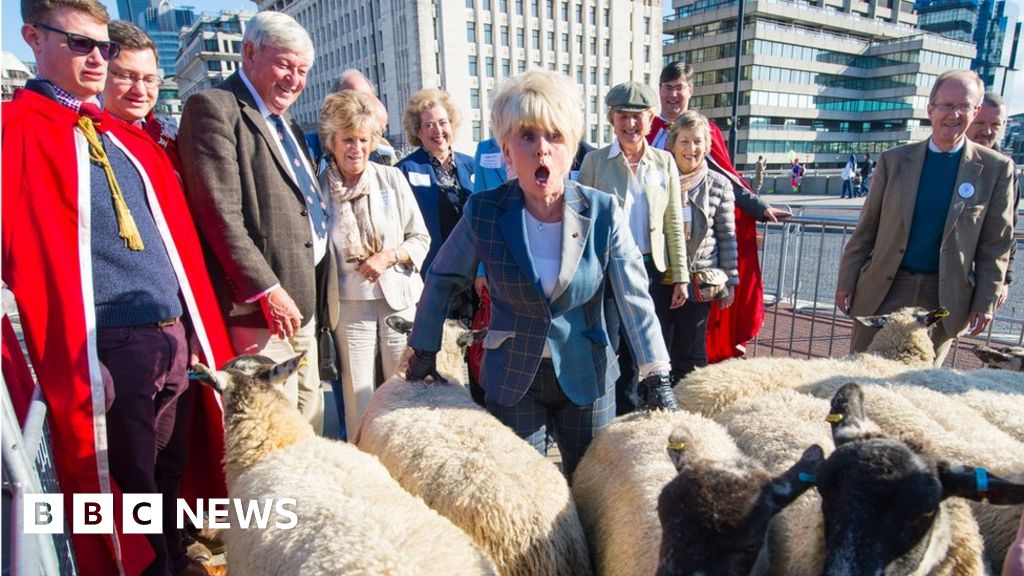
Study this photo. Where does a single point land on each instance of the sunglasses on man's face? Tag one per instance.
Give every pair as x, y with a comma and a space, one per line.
84, 45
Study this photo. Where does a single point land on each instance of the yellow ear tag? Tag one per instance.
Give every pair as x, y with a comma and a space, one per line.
834, 418
677, 446
304, 361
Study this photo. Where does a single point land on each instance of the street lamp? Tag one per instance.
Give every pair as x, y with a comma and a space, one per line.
733, 128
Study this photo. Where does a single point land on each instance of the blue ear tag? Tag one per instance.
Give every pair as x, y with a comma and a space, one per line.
981, 479
806, 477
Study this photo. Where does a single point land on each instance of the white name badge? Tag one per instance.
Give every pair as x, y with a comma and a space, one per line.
419, 179
492, 160
966, 190
687, 213
655, 179
574, 175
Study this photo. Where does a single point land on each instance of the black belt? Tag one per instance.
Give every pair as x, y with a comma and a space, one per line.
648, 257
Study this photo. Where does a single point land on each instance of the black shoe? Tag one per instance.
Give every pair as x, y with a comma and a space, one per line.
655, 392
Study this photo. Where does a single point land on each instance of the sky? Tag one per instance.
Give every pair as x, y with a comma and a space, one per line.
12, 42
11, 19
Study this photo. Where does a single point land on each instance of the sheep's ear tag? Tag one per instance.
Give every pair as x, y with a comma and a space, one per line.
981, 479
677, 446
807, 477
201, 373
834, 418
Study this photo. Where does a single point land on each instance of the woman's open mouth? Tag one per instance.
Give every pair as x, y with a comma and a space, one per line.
541, 176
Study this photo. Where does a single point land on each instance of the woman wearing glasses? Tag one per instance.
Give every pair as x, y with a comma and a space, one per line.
440, 177
379, 241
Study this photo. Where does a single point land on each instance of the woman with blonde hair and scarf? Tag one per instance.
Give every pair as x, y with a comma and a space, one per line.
379, 240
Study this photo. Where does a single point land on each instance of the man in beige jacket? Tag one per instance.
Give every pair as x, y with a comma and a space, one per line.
936, 228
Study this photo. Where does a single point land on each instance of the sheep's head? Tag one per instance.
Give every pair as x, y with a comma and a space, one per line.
881, 498
454, 341
1002, 358
246, 376
714, 514
903, 334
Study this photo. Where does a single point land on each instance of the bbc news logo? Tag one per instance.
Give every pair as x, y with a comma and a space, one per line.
143, 513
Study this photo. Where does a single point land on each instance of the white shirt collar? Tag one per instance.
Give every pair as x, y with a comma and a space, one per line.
264, 111
614, 150
955, 149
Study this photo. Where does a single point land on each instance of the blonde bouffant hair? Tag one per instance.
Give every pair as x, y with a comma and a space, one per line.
347, 111
538, 99
421, 102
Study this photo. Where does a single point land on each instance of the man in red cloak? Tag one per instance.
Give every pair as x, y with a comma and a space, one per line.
731, 328
99, 249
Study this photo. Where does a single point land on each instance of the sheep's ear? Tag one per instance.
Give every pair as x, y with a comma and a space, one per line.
935, 315
399, 324
678, 442
281, 371
470, 337
789, 485
873, 321
201, 373
846, 415
976, 483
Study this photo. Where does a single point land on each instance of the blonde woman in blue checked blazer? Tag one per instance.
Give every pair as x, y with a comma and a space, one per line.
548, 245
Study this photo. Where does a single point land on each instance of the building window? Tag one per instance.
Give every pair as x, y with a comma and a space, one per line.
521, 66
593, 134
579, 13
520, 38
506, 67
593, 75
593, 104
579, 74
607, 16
519, 8
490, 66
565, 11
477, 131
565, 42
579, 43
607, 47
593, 46
469, 4
474, 97
211, 45
647, 24
565, 69
647, 54
535, 8
593, 15
536, 39
607, 77
213, 65
488, 34
503, 6
485, 5
473, 69
551, 9
471, 32
551, 41
504, 35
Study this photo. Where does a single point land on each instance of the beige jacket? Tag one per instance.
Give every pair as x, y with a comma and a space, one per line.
976, 239
660, 181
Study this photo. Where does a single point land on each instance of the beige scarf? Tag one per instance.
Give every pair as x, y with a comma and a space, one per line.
361, 239
689, 182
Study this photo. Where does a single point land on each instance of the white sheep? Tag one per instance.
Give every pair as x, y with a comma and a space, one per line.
353, 518
619, 479
1003, 358
902, 344
472, 469
947, 428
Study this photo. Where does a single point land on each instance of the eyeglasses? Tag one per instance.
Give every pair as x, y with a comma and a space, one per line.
128, 79
84, 45
961, 108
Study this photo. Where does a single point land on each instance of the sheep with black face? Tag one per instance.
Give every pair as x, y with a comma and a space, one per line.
887, 508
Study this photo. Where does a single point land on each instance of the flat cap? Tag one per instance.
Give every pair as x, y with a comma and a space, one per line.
630, 97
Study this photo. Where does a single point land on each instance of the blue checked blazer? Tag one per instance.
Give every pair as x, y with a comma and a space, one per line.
595, 245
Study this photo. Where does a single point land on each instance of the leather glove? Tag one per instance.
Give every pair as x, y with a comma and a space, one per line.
655, 392
422, 364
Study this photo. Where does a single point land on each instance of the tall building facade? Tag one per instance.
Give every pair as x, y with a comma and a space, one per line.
13, 75
164, 23
993, 25
211, 50
468, 47
130, 9
819, 79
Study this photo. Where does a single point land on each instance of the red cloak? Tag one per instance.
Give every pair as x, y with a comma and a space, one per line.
46, 262
729, 330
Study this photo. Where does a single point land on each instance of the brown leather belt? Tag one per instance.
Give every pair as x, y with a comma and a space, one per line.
168, 322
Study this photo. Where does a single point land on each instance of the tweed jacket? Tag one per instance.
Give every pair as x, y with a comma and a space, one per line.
423, 180
396, 217
975, 242
249, 210
660, 182
595, 245
711, 241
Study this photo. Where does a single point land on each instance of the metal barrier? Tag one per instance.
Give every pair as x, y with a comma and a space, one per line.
799, 263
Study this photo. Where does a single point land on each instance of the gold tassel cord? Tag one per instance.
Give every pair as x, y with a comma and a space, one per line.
126, 228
